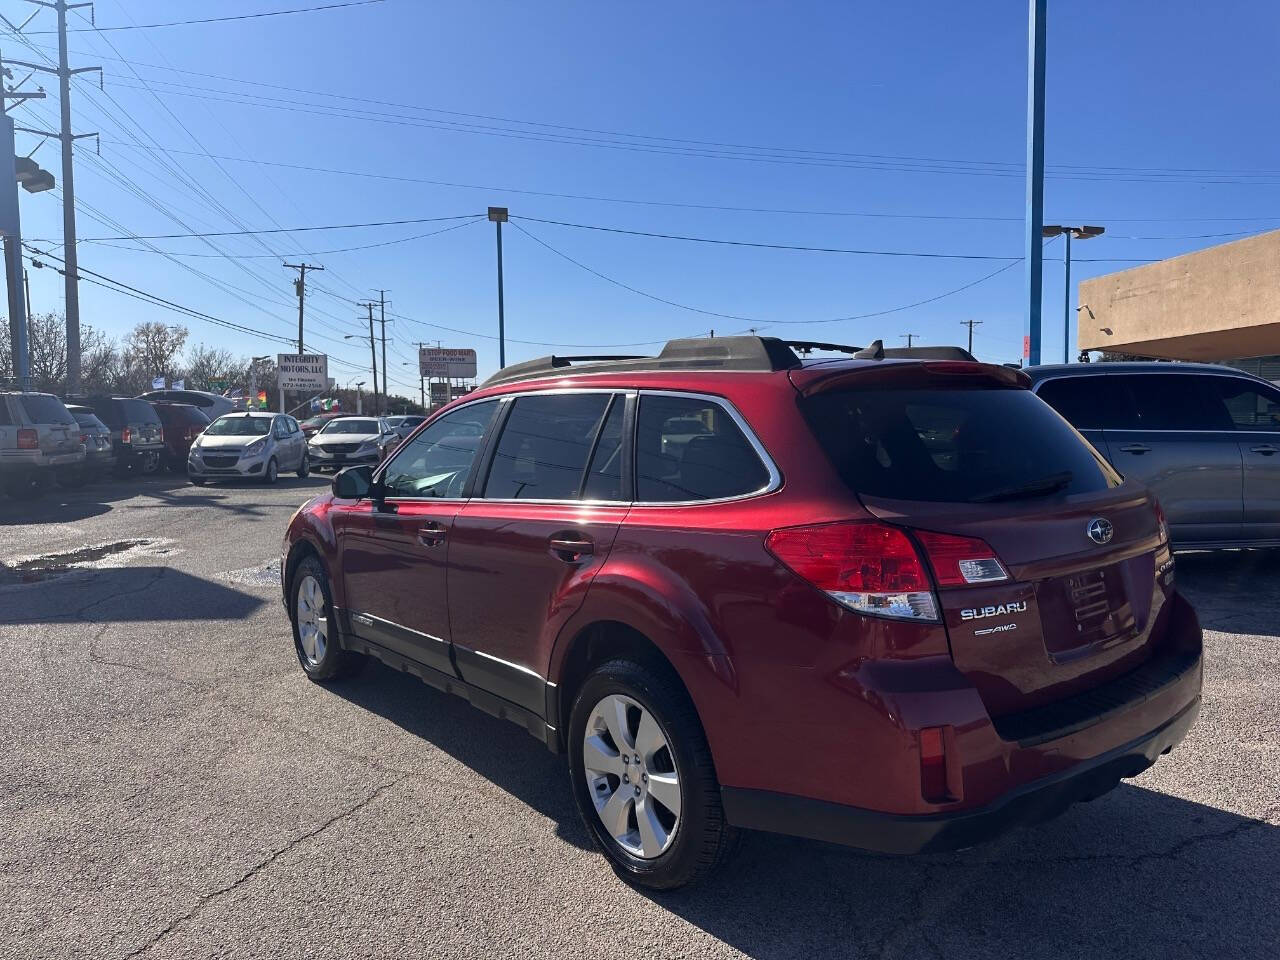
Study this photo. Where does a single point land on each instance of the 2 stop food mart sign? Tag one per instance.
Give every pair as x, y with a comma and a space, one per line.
307, 371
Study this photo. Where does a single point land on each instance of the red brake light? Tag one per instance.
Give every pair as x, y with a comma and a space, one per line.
960, 561
868, 567
126, 435
28, 439
84, 438
933, 765
193, 431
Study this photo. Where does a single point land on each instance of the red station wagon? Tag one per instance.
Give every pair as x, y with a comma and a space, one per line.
887, 601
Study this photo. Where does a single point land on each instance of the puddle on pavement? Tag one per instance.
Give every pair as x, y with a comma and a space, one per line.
263, 575
50, 566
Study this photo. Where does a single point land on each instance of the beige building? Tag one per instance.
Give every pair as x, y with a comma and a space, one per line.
1215, 305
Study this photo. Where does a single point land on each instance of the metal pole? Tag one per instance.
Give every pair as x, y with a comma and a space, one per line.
382, 300
502, 334
373, 353
11, 228
1066, 299
71, 275
1035, 180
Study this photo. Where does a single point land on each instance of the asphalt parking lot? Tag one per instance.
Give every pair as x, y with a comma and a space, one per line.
171, 785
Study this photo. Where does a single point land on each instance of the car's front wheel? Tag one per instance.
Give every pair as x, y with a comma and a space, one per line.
270, 474
304, 468
643, 777
315, 635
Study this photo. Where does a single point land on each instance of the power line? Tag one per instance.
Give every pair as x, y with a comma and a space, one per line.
242, 16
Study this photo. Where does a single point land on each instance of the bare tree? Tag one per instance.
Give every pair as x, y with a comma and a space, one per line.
205, 364
47, 353
151, 350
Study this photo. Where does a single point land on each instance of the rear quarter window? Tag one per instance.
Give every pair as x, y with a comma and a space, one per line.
691, 448
952, 444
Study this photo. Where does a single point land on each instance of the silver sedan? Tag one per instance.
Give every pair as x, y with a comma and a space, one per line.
255, 445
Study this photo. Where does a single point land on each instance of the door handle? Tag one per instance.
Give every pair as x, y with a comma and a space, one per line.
571, 550
1138, 448
1265, 449
432, 534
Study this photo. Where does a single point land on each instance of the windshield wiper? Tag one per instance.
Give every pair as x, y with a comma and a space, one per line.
1034, 488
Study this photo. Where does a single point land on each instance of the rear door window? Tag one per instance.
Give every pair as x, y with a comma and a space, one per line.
41, 408
691, 448
1176, 401
1251, 406
953, 445
543, 450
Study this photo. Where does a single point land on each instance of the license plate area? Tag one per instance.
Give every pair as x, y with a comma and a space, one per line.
1084, 612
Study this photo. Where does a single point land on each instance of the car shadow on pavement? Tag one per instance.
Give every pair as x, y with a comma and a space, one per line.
498, 750
1135, 874
1233, 591
132, 594
67, 505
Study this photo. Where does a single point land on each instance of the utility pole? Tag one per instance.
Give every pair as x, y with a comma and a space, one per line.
373, 355
910, 338
970, 323
1033, 253
499, 216
382, 301
300, 285
71, 273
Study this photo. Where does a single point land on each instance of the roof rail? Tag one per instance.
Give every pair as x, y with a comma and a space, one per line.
746, 353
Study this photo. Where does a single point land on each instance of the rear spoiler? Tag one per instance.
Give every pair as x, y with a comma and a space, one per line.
818, 379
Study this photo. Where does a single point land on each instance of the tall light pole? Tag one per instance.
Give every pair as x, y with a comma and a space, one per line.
1080, 233
373, 352
1035, 181
498, 215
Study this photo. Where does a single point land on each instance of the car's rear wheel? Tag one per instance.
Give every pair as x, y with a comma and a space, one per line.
24, 486
643, 777
315, 635
304, 468
270, 474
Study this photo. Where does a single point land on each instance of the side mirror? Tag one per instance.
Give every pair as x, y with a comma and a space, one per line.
352, 483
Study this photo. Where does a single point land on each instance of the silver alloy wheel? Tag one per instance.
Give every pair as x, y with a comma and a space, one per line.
313, 625
631, 776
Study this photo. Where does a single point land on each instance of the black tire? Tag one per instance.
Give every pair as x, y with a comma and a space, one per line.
702, 839
335, 663
272, 471
24, 486
304, 468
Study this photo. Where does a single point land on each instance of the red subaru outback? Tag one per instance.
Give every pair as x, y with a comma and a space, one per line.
894, 603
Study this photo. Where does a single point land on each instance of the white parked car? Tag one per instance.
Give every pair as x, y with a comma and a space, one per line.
352, 441
257, 445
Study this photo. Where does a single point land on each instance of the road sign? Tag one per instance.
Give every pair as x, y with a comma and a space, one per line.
439, 392
449, 362
308, 371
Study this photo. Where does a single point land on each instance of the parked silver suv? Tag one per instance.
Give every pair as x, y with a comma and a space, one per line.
255, 444
1204, 438
37, 436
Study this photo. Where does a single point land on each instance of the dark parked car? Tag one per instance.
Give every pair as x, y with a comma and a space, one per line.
137, 434
1204, 438
182, 424
404, 424
312, 425
99, 455
893, 603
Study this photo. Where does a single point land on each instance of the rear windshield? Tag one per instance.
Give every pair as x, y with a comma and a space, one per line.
138, 411
239, 426
88, 420
42, 408
954, 445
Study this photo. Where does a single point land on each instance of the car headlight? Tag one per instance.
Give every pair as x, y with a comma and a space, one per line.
255, 448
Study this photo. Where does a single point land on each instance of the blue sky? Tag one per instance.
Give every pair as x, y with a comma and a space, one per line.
1145, 112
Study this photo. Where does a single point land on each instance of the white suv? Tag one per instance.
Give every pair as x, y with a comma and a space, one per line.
37, 436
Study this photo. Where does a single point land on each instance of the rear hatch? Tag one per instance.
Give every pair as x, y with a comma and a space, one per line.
965, 450
57, 432
144, 423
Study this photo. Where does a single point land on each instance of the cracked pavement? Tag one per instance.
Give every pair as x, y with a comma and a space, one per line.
172, 786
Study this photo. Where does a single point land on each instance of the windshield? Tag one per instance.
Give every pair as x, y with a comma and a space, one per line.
954, 445
351, 426
240, 426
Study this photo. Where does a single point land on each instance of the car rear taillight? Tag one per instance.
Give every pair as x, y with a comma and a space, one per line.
933, 765
960, 561
1161, 522
84, 438
193, 431
126, 435
868, 567
28, 439
160, 434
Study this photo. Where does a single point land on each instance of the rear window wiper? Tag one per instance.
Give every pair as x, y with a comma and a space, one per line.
1034, 488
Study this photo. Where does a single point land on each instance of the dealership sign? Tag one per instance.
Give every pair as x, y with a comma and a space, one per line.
449, 362
308, 371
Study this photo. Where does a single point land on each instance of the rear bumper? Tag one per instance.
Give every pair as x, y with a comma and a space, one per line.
895, 833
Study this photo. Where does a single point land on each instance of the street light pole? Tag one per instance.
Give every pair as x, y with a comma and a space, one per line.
1080, 233
499, 216
1035, 181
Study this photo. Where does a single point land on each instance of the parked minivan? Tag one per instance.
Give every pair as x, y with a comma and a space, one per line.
1204, 438
893, 603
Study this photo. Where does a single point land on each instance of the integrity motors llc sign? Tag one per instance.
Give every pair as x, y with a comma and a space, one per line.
307, 371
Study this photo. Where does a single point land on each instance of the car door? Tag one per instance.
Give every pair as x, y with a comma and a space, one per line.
1182, 444
1254, 408
525, 548
393, 554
